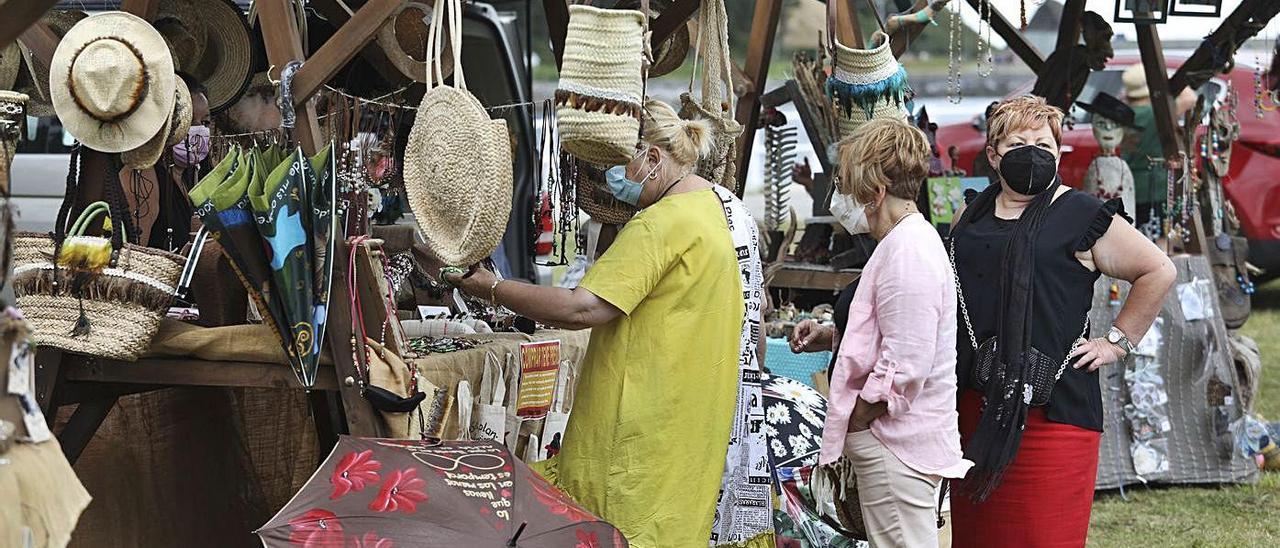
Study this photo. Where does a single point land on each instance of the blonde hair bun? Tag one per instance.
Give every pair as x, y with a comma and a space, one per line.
687, 141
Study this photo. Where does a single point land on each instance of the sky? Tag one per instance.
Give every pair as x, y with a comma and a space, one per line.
1177, 28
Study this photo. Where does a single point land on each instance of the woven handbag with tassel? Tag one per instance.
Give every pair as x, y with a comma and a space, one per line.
92, 295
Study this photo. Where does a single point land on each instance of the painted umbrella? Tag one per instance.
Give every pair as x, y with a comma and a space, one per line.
379, 492
793, 416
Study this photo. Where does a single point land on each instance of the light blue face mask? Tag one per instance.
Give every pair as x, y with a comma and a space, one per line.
624, 189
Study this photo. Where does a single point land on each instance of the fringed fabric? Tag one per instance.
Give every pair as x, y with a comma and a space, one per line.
590, 103
847, 95
106, 287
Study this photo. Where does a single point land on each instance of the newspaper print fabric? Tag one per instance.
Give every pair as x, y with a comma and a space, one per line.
744, 510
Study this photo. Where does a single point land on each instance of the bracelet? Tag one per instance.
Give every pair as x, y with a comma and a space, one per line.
493, 291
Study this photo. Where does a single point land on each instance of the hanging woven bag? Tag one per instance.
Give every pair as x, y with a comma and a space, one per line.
91, 295
458, 166
865, 84
601, 91
716, 103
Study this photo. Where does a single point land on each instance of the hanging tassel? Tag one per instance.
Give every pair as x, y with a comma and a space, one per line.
82, 323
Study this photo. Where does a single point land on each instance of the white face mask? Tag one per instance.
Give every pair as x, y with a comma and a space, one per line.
851, 214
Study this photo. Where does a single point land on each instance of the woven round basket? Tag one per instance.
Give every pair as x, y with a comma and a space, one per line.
600, 94
867, 84
458, 165
595, 199
124, 304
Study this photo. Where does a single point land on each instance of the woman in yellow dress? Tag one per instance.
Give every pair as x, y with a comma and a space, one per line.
664, 439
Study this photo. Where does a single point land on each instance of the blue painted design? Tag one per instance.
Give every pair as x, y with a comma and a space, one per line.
289, 236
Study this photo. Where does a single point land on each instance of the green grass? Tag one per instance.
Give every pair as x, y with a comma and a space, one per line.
1227, 516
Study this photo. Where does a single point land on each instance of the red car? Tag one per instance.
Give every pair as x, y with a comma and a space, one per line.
1254, 182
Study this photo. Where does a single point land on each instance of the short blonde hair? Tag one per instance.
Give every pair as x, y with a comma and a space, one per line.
884, 153
686, 141
1025, 112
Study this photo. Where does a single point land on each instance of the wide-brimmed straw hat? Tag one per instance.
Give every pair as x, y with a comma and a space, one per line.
175, 128
112, 82
211, 41
33, 77
404, 39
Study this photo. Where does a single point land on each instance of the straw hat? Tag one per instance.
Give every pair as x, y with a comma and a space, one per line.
10, 64
404, 39
114, 82
183, 30
33, 79
1135, 82
211, 42
182, 112
175, 128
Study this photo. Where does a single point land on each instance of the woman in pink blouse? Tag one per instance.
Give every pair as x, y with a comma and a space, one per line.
892, 406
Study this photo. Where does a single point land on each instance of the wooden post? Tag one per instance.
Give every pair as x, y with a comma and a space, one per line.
1069, 29
557, 12
375, 56
1025, 51
848, 28
676, 16
1243, 23
340, 48
764, 28
284, 45
18, 16
145, 9
361, 418
1166, 122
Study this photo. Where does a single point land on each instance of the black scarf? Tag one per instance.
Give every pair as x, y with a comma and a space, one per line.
1004, 412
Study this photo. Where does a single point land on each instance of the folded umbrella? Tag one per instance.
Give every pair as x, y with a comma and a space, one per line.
378, 492
279, 210
322, 226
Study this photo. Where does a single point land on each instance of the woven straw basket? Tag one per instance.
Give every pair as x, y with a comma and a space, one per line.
124, 305
595, 199
599, 98
867, 84
458, 165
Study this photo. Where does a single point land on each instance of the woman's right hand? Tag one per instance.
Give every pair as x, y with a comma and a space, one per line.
811, 336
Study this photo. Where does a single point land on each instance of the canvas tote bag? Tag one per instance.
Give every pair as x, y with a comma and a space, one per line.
600, 97
458, 166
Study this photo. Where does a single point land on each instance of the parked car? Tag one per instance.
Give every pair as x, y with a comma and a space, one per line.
1252, 185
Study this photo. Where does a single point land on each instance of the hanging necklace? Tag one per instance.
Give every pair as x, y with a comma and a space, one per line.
954, 44
986, 63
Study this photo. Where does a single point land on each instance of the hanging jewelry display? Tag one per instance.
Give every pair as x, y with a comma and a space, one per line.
986, 62
555, 209
1022, 14
955, 42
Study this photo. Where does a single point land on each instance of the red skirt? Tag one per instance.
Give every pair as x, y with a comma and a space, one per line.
1046, 495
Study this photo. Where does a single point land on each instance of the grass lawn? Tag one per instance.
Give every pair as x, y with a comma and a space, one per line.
1226, 516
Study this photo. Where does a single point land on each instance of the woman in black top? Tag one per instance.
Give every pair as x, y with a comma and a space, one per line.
1027, 253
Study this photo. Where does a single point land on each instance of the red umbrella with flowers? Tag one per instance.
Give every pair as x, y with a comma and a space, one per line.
377, 493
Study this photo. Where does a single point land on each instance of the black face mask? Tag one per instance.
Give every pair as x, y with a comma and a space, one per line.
1029, 170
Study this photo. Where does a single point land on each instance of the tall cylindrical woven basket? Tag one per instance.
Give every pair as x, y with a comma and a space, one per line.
601, 90
867, 84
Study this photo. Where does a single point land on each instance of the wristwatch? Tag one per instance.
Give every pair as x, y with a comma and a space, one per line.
1117, 337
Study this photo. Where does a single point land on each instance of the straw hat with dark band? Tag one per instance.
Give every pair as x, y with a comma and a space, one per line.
113, 82
404, 38
33, 80
211, 42
175, 128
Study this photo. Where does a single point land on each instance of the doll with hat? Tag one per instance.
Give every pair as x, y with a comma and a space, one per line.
1109, 176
